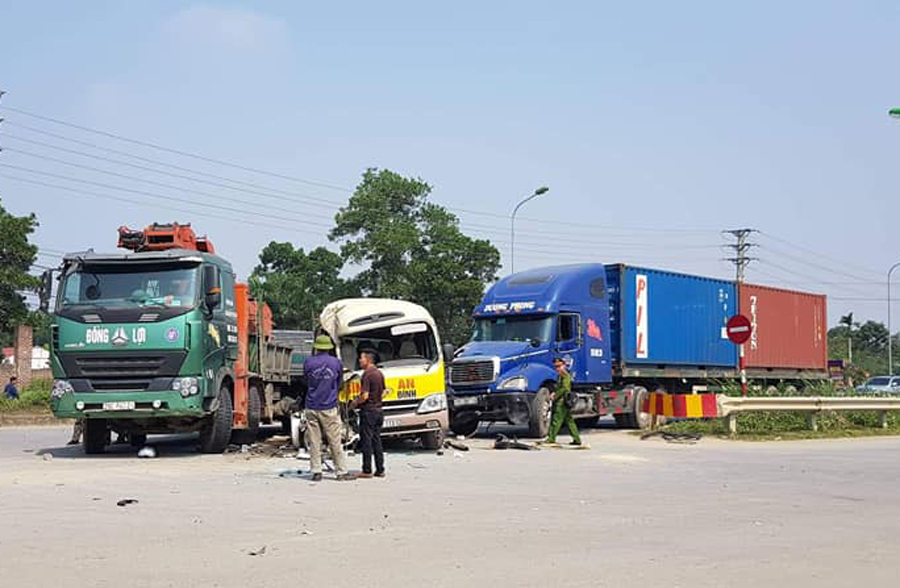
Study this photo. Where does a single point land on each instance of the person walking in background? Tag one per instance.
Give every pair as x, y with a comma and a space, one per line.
11, 392
371, 417
77, 432
562, 414
323, 374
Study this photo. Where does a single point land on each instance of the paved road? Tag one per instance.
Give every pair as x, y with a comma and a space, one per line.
626, 513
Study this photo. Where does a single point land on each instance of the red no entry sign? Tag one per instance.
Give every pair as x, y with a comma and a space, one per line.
738, 329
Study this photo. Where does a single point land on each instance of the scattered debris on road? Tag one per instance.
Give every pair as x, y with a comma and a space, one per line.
504, 442
293, 473
260, 551
127, 501
451, 444
685, 438
275, 446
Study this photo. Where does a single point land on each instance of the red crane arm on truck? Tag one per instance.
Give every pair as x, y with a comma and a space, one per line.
159, 237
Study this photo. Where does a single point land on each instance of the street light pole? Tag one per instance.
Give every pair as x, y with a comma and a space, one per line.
895, 113
512, 227
890, 335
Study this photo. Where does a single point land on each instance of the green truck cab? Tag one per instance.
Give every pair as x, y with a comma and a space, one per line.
150, 342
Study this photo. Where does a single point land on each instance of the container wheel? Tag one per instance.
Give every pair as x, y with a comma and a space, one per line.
433, 440
539, 419
96, 436
254, 413
216, 432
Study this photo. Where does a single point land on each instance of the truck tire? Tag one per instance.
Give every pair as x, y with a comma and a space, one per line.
433, 440
96, 436
465, 427
539, 419
216, 431
638, 418
254, 412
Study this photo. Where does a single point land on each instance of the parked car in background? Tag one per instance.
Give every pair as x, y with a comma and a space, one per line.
880, 385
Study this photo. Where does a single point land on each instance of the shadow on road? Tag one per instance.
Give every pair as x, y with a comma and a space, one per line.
167, 446
491, 430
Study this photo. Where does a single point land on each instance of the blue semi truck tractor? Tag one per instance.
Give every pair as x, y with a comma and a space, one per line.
622, 330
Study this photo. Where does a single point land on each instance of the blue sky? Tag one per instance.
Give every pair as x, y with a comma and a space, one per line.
655, 125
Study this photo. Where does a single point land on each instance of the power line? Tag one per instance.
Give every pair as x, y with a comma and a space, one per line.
173, 151
294, 197
816, 253
143, 192
69, 189
160, 184
292, 211
818, 266
556, 254
282, 176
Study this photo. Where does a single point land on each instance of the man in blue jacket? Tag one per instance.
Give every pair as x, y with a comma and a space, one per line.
10, 391
323, 374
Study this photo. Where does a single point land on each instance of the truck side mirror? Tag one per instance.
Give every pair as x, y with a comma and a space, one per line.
46, 289
449, 350
211, 288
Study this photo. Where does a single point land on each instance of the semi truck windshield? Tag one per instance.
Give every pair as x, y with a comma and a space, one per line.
526, 328
123, 287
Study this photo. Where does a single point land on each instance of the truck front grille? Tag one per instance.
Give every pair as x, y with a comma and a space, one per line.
472, 372
135, 366
121, 371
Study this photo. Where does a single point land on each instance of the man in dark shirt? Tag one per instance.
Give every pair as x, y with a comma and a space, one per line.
371, 417
10, 391
323, 374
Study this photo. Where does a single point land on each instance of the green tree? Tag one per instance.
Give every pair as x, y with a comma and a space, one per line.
16, 258
413, 249
40, 321
296, 285
869, 343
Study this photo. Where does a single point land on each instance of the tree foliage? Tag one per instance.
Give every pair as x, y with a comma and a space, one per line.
16, 258
296, 285
869, 342
413, 249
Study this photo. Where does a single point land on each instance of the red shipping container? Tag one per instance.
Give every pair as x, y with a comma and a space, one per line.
789, 328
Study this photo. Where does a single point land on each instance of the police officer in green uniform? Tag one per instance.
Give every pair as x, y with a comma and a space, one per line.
561, 412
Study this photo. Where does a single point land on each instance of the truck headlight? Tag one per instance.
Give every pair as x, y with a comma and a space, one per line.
433, 403
514, 383
60, 389
186, 386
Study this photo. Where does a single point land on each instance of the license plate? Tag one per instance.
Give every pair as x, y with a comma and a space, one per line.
465, 400
120, 405
391, 423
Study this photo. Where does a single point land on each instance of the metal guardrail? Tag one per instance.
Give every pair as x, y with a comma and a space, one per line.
731, 406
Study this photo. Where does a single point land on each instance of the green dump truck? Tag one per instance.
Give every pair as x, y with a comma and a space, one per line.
162, 339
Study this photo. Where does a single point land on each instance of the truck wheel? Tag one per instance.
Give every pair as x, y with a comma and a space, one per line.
216, 431
638, 418
539, 419
254, 412
433, 440
96, 436
137, 440
464, 427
